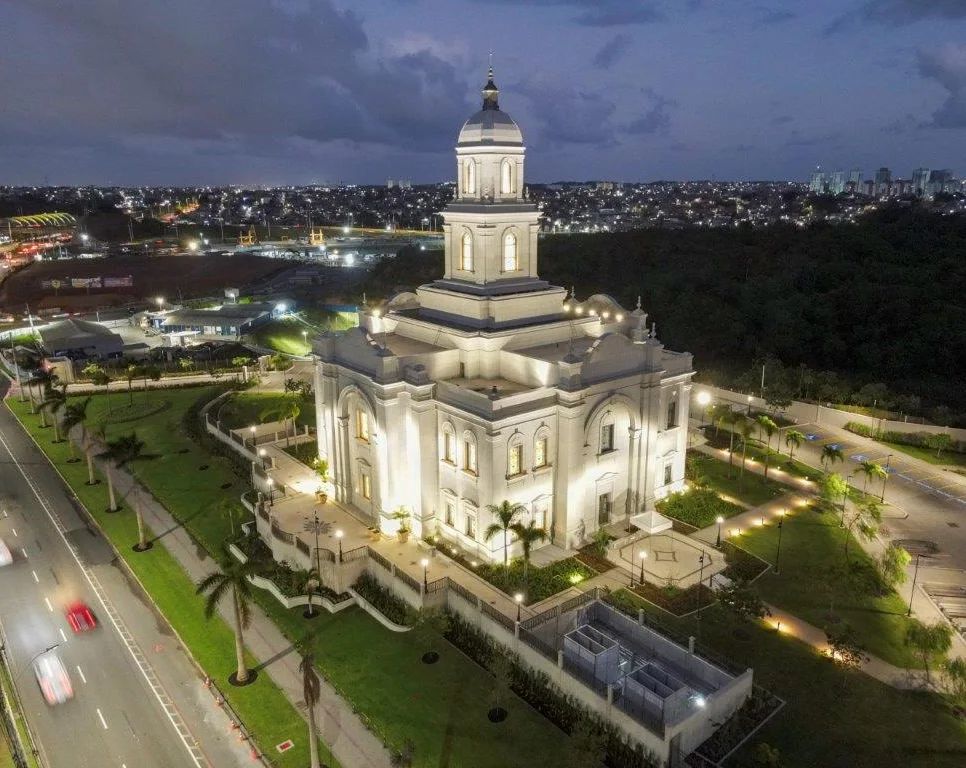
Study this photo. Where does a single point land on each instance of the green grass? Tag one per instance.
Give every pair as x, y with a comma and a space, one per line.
246, 408
812, 547
539, 584
948, 458
284, 335
833, 718
262, 705
6, 756
753, 489
442, 707
699, 507
305, 452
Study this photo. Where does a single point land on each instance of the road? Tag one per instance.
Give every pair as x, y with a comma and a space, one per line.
136, 691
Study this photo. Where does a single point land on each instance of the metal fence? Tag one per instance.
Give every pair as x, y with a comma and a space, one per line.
408, 580
498, 617
438, 584
376, 557
539, 645
354, 554
281, 535
463, 592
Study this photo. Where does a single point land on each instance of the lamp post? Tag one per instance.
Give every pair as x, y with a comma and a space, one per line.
749, 404
425, 563
642, 555
261, 455
252, 430
912, 592
701, 574
719, 520
315, 526
271, 492
338, 535
778, 551
519, 600
703, 398
886, 477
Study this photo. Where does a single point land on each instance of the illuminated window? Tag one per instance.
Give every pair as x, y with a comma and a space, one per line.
606, 438
469, 177
510, 261
362, 424
449, 445
466, 252
506, 177
540, 452
469, 454
366, 486
514, 461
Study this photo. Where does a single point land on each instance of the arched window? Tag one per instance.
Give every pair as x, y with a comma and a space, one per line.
607, 435
506, 177
469, 453
469, 178
362, 424
449, 444
541, 449
510, 261
514, 458
466, 252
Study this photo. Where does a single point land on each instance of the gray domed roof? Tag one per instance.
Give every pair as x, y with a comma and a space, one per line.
490, 125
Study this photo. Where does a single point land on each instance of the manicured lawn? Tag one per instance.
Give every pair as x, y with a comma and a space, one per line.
246, 408
812, 550
284, 336
832, 718
699, 507
304, 452
442, 707
262, 705
752, 489
948, 458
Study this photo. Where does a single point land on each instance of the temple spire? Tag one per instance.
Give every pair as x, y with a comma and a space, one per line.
490, 91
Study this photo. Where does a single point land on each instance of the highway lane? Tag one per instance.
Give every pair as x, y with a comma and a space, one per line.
116, 717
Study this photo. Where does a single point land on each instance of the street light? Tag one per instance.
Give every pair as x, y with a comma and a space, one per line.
885, 477
912, 592
271, 492
338, 535
719, 520
252, 430
778, 552
519, 598
643, 556
425, 563
704, 397
749, 403
314, 526
261, 455
160, 301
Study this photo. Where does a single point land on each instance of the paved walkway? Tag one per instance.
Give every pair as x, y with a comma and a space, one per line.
340, 728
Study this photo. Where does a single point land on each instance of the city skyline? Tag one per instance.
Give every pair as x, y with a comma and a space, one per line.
303, 92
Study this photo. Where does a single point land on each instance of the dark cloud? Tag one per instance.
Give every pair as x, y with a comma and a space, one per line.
611, 51
598, 13
796, 139
898, 12
208, 73
947, 66
565, 115
781, 119
656, 117
777, 16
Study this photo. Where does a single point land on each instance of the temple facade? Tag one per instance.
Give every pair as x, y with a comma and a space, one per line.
490, 385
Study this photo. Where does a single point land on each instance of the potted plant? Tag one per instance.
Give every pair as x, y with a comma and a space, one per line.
321, 467
402, 515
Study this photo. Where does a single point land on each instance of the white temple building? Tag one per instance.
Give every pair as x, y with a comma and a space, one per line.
489, 384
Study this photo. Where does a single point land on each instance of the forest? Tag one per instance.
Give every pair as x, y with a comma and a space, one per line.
882, 301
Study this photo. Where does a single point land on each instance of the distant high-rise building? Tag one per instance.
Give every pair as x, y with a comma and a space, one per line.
836, 183
855, 180
883, 177
939, 181
920, 181
816, 182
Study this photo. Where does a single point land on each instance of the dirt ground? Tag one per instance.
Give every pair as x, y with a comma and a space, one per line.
166, 276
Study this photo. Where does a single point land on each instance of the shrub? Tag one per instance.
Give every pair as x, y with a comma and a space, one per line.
383, 600
858, 428
699, 507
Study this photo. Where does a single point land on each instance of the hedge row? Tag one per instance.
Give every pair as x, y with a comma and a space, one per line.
917, 439
383, 599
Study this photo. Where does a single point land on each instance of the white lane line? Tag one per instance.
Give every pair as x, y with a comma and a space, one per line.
15, 532
103, 721
36, 577
49, 606
24, 550
81, 673
62, 635
177, 722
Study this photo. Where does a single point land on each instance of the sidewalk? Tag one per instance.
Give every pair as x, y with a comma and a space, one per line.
341, 730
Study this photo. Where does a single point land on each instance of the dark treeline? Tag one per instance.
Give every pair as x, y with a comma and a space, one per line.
880, 301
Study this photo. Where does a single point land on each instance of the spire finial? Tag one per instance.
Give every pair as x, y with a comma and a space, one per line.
490, 72
638, 302
490, 91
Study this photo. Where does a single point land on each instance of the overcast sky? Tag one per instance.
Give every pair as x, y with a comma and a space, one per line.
300, 91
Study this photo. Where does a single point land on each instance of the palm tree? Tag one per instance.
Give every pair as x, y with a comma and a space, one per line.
793, 440
830, 454
745, 427
729, 418
132, 372
75, 414
54, 402
121, 452
528, 535
871, 469
504, 512
767, 426
288, 408
233, 578
311, 693
43, 380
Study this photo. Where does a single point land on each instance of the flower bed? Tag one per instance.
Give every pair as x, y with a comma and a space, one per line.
383, 600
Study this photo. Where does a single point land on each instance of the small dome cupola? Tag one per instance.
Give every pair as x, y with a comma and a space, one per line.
490, 93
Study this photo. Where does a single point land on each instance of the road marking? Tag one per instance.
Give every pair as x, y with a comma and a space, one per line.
36, 577
62, 635
187, 739
49, 606
24, 550
103, 721
15, 532
81, 673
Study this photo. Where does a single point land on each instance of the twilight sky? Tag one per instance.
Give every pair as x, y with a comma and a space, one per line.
300, 91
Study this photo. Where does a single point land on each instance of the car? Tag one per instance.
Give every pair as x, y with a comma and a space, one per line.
53, 679
5, 556
80, 617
